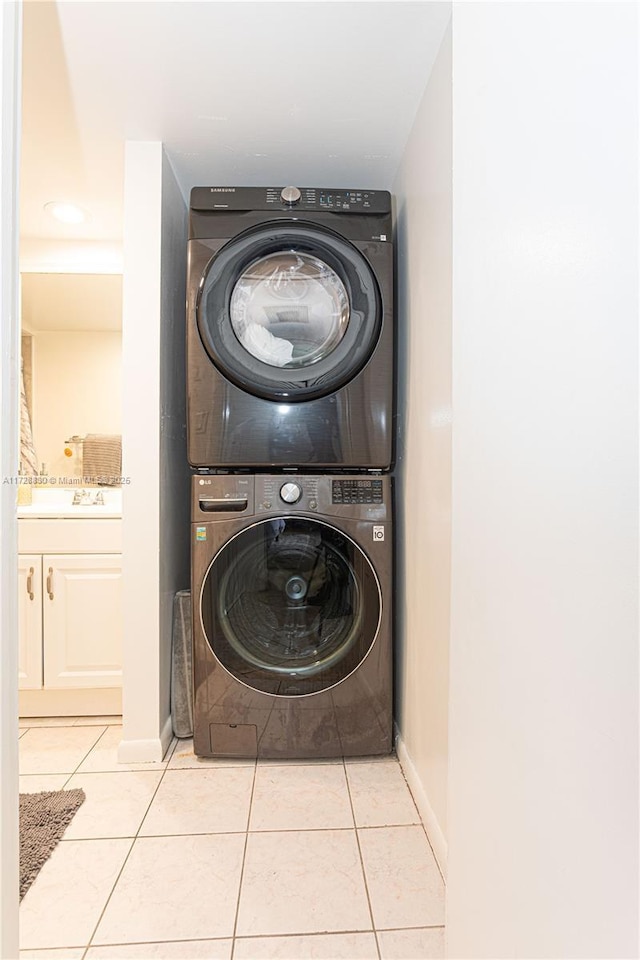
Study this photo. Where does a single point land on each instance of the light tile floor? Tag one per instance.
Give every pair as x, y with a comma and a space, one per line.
226, 860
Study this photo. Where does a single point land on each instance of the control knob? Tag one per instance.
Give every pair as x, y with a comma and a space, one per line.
290, 195
290, 492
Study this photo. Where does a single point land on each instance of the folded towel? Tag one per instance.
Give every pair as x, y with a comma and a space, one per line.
102, 459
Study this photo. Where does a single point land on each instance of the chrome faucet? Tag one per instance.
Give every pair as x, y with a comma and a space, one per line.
83, 498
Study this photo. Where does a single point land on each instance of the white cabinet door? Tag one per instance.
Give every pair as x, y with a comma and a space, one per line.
82, 620
30, 621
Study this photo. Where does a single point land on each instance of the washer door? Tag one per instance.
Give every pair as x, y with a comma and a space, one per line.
290, 606
289, 311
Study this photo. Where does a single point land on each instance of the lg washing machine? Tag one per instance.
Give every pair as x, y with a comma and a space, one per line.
292, 594
290, 329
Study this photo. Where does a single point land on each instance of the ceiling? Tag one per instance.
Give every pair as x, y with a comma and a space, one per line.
255, 93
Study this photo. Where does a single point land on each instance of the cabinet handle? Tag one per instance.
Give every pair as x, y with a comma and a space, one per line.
50, 583
30, 583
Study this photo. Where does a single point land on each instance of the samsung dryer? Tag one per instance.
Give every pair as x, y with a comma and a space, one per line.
290, 329
292, 615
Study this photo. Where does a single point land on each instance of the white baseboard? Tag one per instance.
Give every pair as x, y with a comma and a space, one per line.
97, 702
166, 735
436, 837
146, 751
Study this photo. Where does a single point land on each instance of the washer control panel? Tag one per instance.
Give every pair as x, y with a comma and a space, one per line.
229, 498
367, 490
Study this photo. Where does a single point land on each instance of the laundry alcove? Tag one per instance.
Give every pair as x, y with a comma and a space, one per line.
516, 210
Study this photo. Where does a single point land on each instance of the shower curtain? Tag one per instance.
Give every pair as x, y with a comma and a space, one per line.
28, 458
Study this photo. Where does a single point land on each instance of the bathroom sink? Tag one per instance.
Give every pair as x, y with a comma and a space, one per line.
47, 503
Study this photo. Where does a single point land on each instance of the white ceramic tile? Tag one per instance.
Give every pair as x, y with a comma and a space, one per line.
115, 803
62, 906
104, 756
37, 782
176, 950
378, 758
184, 757
108, 721
405, 886
302, 882
200, 801
49, 721
424, 944
308, 761
64, 954
380, 794
56, 749
300, 798
181, 887
331, 946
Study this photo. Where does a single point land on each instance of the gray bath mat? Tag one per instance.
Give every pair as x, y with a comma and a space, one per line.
44, 817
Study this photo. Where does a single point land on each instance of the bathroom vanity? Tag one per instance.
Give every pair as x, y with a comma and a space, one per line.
70, 604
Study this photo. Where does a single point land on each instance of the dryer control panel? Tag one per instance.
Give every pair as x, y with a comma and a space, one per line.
359, 201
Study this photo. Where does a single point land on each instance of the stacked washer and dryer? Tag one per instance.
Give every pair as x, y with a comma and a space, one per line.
290, 412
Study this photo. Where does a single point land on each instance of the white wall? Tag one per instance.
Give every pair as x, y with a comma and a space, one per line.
70, 256
423, 197
10, 42
175, 513
156, 502
77, 389
141, 312
543, 735
71, 301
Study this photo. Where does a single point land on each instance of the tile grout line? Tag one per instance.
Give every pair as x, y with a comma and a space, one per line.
92, 747
64, 772
244, 859
95, 743
70, 775
253, 936
235, 833
168, 757
364, 873
170, 753
88, 773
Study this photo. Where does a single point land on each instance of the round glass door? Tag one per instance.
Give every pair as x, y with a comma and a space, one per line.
290, 606
289, 312
289, 309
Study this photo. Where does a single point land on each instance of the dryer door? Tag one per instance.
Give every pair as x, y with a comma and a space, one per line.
290, 606
289, 311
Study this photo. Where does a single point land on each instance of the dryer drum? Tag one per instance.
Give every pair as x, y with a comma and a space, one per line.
289, 312
290, 606
289, 309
